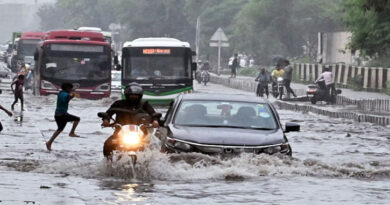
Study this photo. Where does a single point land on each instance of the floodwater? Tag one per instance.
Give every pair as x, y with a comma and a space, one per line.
334, 162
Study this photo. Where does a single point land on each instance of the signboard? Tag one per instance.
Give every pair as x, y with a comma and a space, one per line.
221, 44
219, 35
219, 39
156, 51
77, 48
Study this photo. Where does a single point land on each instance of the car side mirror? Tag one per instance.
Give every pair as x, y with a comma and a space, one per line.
292, 127
102, 115
194, 66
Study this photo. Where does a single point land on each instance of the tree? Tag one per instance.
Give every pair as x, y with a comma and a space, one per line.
369, 22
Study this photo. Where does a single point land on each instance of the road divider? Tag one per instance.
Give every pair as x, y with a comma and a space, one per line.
376, 119
365, 105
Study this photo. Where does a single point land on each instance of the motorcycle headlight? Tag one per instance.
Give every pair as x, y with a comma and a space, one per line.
131, 135
280, 79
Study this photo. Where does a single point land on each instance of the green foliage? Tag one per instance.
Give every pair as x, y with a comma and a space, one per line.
356, 83
266, 28
369, 22
260, 28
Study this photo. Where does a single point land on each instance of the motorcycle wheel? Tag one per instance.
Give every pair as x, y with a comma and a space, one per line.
205, 82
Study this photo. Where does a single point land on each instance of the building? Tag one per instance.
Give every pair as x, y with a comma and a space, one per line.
332, 48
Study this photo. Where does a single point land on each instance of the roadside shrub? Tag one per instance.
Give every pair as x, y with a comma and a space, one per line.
356, 83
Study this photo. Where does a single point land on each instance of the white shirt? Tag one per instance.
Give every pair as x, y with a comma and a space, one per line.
327, 76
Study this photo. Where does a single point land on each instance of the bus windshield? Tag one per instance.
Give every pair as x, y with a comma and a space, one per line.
83, 63
27, 47
156, 67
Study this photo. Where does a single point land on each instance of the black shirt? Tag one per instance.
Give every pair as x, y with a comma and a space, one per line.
125, 118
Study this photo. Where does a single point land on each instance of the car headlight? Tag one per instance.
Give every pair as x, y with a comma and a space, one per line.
284, 148
47, 85
272, 150
103, 87
183, 146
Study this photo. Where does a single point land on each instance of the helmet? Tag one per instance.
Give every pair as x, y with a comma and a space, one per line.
133, 89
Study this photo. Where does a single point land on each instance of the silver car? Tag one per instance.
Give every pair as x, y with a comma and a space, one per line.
224, 124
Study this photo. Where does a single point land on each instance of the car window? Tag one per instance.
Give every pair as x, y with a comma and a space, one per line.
225, 114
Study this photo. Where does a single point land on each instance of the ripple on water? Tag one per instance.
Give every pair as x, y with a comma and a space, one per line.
154, 165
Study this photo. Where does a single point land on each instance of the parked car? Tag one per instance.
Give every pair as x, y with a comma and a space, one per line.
224, 124
116, 77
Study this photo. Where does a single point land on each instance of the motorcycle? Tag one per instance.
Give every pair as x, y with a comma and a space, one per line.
130, 138
278, 88
260, 90
318, 92
205, 77
198, 77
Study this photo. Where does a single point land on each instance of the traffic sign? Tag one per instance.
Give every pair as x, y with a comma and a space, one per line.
221, 44
219, 35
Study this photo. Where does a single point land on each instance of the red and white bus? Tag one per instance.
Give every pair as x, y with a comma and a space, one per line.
25, 49
78, 57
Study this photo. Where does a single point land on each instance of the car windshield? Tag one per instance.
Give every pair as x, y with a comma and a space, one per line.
225, 114
156, 67
77, 65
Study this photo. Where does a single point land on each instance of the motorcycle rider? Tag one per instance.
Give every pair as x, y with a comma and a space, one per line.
132, 103
262, 86
276, 73
327, 76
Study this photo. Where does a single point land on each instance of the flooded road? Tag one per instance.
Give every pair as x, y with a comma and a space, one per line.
334, 161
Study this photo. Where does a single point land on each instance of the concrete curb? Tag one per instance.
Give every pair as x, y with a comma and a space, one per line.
251, 86
380, 120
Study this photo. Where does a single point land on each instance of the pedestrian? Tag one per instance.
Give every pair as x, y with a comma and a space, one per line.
5, 110
18, 91
327, 75
234, 66
263, 80
61, 114
287, 76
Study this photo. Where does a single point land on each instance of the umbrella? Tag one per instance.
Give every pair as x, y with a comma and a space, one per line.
279, 60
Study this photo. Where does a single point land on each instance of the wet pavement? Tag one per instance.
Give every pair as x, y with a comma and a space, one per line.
335, 161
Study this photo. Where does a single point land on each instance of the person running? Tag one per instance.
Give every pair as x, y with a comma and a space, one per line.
263, 79
7, 111
61, 114
18, 91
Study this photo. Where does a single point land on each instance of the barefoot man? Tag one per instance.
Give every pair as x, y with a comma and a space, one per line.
61, 114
